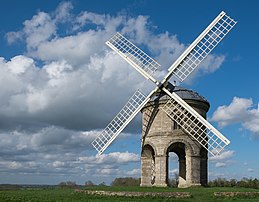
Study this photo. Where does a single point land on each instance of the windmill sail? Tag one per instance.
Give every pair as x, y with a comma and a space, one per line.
142, 62
201, 47
121, 120
176, 108
194, 124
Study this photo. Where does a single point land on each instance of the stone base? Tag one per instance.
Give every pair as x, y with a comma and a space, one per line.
189, 185
160, 185
146, 185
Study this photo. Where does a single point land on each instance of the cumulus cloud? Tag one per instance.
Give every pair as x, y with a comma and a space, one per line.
14, 36
111, 158
210, 64
46, 139
38, 30
240, 110
223, 156
76, 69
250, 170
220, 164
68, 85
224, 159
62, 13
58, 164
134, 172
174, 172
61, 154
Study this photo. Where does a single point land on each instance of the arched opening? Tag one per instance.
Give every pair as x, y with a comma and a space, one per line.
173, 170
179, 149
147, 166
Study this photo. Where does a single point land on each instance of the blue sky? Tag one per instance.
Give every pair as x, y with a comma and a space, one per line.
58, 81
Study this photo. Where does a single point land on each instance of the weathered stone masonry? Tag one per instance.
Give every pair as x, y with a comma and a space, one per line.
160, 135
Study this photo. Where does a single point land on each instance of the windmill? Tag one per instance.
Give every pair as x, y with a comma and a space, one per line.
176, 108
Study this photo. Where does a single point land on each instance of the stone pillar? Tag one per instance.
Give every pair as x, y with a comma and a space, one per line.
193, 171
204, 171
146, 172
182, 172
161, 164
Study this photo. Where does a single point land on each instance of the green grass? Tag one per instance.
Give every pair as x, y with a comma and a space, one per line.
69, 195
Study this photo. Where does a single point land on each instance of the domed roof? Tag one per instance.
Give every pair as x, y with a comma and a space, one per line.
184, 93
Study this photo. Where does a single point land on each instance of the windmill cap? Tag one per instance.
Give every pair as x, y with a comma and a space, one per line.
185, 94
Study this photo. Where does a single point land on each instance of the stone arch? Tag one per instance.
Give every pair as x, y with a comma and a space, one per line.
179, 149
189, 166
147, 165
149, 145
192, 149
148, 150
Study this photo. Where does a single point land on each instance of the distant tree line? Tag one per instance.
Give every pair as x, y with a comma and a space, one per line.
244, 182
67, 184
89, 183
129, 181
71, 184
126, 181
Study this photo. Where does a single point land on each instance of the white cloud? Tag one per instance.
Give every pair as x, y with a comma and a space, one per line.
58, 164
210, 64
78, 71
107, 171
68, 85
91, 18
134, 172
223, 156
76, 49
19, 64
14, 36
174, 172
57, 89
240, 110
250, 170
38, 30
111, 158
223, 160
62, 13
14, 165
51, 139
57, 69
235, 112
220, 164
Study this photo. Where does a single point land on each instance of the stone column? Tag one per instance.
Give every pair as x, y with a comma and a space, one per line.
182, 173
146, 172
193, 170
161, 164
204, 171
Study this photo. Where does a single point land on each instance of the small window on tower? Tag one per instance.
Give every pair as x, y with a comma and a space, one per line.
175, 125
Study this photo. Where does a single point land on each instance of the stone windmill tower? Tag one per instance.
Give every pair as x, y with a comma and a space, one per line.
168, 111
161, 135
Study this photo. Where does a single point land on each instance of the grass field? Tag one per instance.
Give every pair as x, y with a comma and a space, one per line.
69, 195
